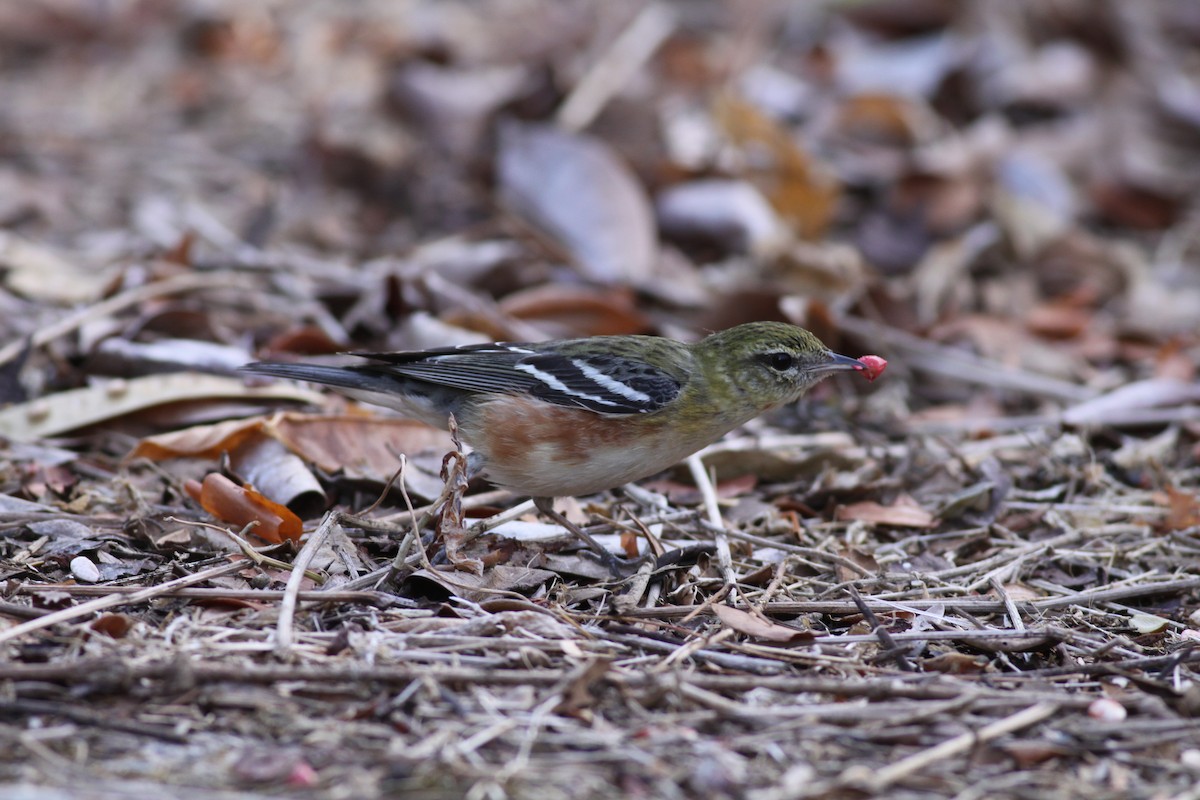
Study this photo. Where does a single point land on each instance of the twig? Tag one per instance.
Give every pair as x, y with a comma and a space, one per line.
404, 517
413, 537
950, 362
891, 648
291, 592
174, 285
916, 687
1119, 593
109, 601
340, 595
83, 716
835, 607
717, 525
1014, 615
613, 70
812, 553
885, 777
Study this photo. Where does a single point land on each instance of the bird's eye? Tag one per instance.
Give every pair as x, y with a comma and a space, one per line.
780, 362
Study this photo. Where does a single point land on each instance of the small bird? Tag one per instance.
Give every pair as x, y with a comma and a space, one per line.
578, 416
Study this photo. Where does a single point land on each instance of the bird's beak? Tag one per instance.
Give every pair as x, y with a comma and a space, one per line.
869, 366
838, 363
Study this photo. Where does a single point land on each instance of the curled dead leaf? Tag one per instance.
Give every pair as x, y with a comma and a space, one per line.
241, 505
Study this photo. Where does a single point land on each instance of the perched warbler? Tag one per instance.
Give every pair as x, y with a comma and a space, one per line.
578, 416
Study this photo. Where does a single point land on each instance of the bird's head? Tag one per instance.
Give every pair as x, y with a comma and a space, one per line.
775, 363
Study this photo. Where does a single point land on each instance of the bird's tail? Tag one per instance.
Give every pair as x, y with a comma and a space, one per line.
371, 384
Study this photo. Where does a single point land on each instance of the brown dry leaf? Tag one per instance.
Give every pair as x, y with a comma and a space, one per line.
36, 271
308, 340
904, 513
798, 189
1184, 510
67, 411
241, 505
1058, 320
1173, 361
201, 441
578, 191
862, 559
1020, 593
759, 628
881, 118
497, 580
577, 310
362, 447
686, 494
579, 692
115, 626
1136, 206
1028, 754
955, 664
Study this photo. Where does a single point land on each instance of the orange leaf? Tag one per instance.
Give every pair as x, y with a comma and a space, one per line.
798, 189
1184, 510
241, 505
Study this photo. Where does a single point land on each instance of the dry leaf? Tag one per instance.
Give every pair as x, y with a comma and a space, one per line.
279, 474
67, 411
241, 505
1184, 510
759, 628
567, 311
856, 556
904, 513
1147, 623
362, 447
575, 189
114, 626
799, 190
1031, 753
1150, 393
882, 118
1058, 320
953, 663
37, 271
730, 214
201, 441
578, 694
1020, 593
497, 580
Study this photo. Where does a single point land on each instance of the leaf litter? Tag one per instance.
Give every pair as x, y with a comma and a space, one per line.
976, 576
